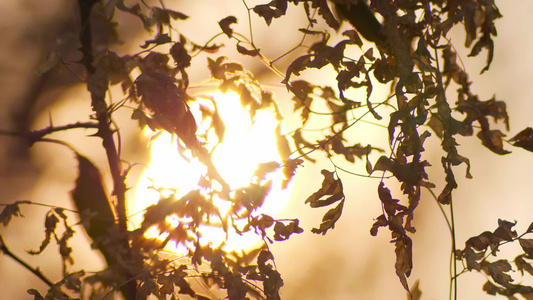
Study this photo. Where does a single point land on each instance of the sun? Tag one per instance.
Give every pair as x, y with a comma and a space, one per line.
247, 143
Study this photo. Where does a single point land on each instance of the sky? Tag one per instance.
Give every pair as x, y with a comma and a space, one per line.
347, 263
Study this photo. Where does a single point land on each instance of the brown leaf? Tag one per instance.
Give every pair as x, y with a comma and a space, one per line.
36, 294
381, 221
297, 66
329, 219
167, 105
354, 37
302, 144
325, 12
504, 230
362, 18
283, 232
219, 69
389, 204
254, 52
160, 39
268, 13
497, 270
415, 293
272, 281
492, 289
180, 55
225, 23
404, 259
301, 90
155, 62
331, 188
73, 281
50, 224
90, 198
11, 210
492, 139
261, 223
484, 42
524, 139
472, 259
162, 16
482, 241
522, 265
527, 246
64, 249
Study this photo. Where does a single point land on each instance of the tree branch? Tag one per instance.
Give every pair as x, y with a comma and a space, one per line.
97, 84
35, 271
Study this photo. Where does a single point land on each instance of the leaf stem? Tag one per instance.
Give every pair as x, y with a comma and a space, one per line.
454, 278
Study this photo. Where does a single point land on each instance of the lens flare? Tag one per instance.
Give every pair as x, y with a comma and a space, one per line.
246, 144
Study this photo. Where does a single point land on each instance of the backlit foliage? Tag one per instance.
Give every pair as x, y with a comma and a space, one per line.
407, 53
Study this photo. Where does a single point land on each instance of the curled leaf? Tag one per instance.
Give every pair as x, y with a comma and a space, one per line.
244, 51
331, 189
11, 210
225, 23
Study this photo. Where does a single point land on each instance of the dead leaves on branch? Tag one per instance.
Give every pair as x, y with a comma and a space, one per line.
330, 193
478, 250
167, 107
162, 97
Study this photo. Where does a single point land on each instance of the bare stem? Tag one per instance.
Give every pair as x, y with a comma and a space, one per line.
35, 271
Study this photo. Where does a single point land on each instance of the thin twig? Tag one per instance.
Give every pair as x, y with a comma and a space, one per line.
35, 271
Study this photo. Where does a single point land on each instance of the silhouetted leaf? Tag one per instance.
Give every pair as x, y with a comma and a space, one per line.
331, 189
415, 293
381, 221
404, 259
527, 246
50, 224
492, 139
180, 56
329, 219
524, 139
35, 294
160, 39
219, 69
90, 199
162, 16
289, 169
354, 37
504, 230
244, 51
325, 12
272, 281
268, 13
225, 23
299, 142
497, 270
11, 210
297, 66
283, 232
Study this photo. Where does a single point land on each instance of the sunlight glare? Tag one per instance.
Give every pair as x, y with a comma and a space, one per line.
246, 144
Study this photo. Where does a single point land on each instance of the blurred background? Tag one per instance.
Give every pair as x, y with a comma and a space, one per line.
347, 263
